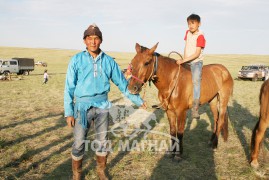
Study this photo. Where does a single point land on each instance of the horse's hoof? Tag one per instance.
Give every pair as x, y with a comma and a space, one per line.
214, 145
157, 106
177, 159
254, 164
169, 154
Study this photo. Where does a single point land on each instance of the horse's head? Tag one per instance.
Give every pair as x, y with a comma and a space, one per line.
142, 67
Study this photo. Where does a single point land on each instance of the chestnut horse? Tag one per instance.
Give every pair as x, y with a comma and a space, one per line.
175, 92
262, 124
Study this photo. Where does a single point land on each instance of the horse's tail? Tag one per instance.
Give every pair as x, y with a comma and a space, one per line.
225, 128
253, 137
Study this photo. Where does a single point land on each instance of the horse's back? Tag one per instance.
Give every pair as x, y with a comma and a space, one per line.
216, 70
213, 71
217, 73
215, 79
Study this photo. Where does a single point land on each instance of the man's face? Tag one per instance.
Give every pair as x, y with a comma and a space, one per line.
193, 26
93, 43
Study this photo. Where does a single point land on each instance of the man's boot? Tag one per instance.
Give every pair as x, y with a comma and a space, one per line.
77, 169
101, 166
195, 107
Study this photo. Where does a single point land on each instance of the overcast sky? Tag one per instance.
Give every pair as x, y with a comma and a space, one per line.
230, 26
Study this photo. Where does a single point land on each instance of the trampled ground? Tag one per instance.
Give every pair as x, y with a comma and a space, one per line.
35, 142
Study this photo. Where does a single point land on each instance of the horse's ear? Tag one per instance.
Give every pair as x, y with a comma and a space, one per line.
137, 48
152, 50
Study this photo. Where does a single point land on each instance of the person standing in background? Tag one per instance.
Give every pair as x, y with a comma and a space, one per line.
46, 77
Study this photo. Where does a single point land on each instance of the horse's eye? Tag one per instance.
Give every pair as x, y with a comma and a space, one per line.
146, 63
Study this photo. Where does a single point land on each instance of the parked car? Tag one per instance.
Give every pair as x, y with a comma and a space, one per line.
41, 63
253, 72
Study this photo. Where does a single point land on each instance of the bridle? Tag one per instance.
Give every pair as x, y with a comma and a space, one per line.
130, 69
152, 77
152, 74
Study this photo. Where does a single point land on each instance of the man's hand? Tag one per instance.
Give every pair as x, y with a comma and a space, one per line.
179, 62
70, 121
144, 105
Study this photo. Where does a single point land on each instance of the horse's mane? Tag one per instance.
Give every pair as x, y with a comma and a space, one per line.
142, 49
168, 59
172, 61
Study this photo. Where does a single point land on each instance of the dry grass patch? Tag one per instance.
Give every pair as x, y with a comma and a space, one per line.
35, 142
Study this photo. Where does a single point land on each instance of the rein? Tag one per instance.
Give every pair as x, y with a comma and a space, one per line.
172, 86
136, 78
151, 77
175, 53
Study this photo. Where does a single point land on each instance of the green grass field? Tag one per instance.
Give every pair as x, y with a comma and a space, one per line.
35, 142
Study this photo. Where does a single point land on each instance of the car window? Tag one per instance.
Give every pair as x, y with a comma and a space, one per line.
254, 68
5, 63
245, 68
13, 62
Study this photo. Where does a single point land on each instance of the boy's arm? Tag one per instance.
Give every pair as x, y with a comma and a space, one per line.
184, 53
185, 39
192, 57
200, 44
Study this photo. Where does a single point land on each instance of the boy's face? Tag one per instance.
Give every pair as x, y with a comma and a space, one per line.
193, 26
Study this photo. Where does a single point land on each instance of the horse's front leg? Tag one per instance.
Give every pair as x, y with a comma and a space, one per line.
181, 119
173, 132
214, 109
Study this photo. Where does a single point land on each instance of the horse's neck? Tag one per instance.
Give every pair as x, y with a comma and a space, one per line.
166, 71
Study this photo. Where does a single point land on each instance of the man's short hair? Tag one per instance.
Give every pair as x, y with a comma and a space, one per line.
194, 17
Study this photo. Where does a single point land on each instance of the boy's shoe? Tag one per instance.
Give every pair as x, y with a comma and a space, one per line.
195, 107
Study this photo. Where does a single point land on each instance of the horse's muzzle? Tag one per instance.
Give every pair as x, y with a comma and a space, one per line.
135, 89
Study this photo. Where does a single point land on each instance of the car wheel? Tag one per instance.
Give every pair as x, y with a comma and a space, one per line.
255, 78
6, 73
26, 73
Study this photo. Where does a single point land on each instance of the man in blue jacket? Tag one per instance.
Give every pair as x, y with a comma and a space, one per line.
85, 98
